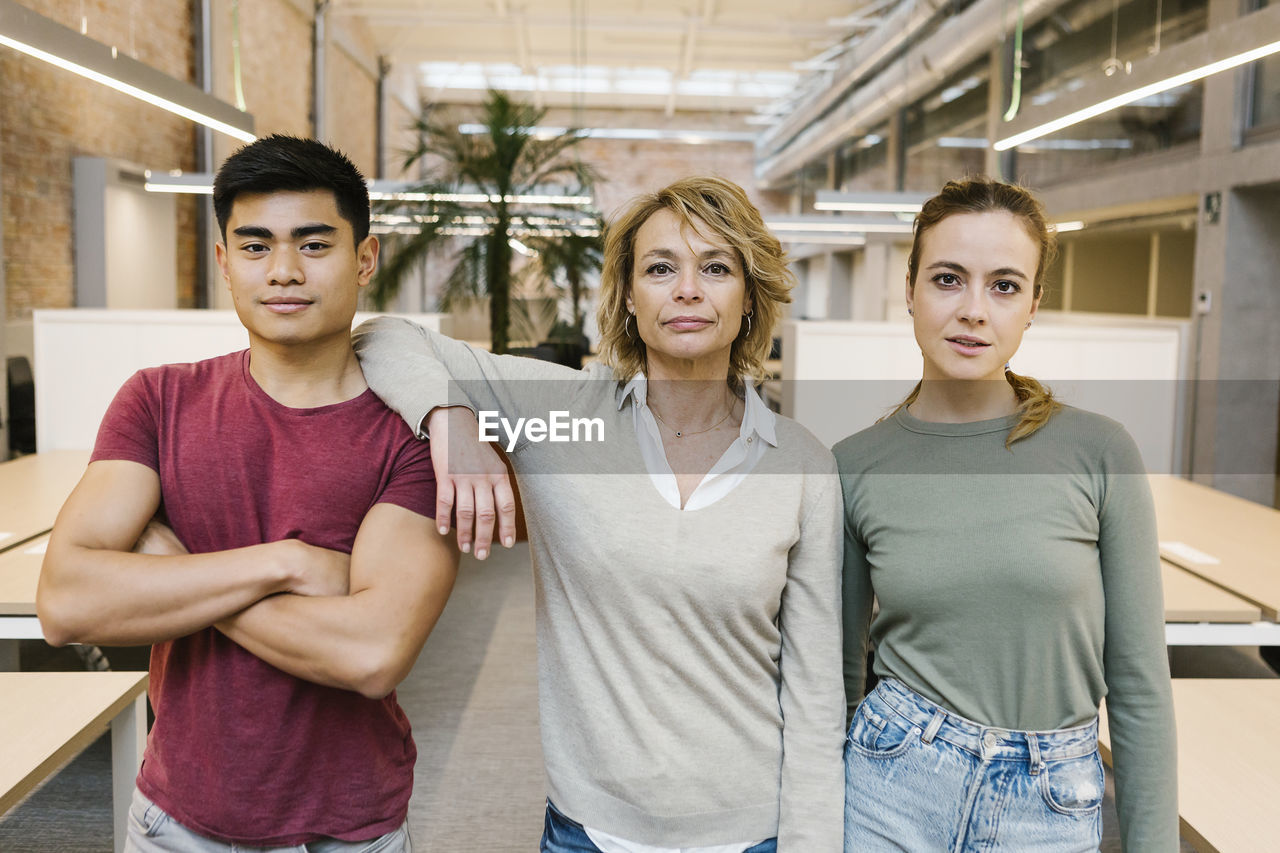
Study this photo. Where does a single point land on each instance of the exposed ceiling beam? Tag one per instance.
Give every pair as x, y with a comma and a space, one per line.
959, 41
760, 28
521, 26
686, 63
543, 56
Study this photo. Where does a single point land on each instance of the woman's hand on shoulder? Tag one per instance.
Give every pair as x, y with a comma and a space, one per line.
472, 482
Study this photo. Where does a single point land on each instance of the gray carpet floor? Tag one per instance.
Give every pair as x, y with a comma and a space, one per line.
472, 699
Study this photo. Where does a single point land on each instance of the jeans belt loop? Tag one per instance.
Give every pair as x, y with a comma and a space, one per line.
1033, 747
934, 724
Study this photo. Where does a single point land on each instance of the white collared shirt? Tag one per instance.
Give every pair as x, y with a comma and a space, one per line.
739, 459
755, 435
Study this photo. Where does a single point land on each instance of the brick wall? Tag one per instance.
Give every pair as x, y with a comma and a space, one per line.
48, 116
275, 67
352, 105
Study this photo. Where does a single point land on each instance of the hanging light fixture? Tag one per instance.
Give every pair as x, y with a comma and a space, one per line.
46, 40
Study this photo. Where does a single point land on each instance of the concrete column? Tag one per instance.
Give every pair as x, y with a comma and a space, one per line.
871, 290
1237, 423
818, 287
840, 299
896, 152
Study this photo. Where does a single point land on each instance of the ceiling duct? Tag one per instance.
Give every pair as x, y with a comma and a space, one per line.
955, 44
860, 59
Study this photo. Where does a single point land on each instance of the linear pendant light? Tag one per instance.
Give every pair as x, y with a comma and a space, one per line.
1138, 94
37, 36
870, 202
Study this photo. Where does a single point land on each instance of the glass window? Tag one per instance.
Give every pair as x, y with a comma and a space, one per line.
1086, 42
1265, 107
946, 130
1153, 124
864, 162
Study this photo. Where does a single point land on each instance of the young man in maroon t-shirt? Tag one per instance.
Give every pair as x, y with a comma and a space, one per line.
314, 572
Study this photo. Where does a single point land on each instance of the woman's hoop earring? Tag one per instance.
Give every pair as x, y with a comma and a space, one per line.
748, 316
626, 325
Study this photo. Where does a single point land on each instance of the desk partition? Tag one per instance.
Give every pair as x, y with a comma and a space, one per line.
84, 355
840, 377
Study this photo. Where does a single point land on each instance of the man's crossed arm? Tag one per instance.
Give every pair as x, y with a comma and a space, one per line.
354, 622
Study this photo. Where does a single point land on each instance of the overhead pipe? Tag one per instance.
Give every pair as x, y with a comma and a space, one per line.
319, 71
898, 28
958, 42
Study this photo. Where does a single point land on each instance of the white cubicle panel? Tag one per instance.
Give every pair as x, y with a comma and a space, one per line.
840, 377
83, 356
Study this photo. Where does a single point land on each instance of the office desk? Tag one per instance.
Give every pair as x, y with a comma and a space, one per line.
1187, 598
47, 718
1227, 540
1198, 613
19, 574
33, 489
1228, 752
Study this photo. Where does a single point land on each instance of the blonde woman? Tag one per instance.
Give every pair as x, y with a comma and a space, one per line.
1010, 542
686, 565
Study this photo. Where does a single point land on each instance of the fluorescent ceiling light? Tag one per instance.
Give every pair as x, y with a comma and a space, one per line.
869, 202
836, 226
1063, 227
695, 137
823, 239
193, 183
38, 37
201, 183
161, 187
1137, 95
380, 190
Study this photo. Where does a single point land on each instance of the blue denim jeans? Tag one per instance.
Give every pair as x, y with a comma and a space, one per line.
564, 835
920, 778
152, 830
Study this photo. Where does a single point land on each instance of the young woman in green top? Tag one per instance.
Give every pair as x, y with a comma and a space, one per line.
1010, 542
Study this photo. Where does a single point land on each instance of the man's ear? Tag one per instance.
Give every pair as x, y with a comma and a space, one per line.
366, 259
220, 254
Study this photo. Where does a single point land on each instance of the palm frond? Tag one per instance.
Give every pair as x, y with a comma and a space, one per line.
506, 160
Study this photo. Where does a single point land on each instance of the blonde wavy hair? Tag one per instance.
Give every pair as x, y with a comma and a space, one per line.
701, 203
1036, 403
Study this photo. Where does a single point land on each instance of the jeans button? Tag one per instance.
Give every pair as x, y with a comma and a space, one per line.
989, 740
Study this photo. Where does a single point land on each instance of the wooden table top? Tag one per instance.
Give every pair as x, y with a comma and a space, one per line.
1228, 540
1187, 598
1228, 755
33, 489
46, 718
19, 574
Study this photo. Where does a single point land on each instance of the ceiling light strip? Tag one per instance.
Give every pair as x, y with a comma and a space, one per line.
1138, 94
43, 39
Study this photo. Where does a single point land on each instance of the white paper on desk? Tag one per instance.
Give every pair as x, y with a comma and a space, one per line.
1186, 552
38, 548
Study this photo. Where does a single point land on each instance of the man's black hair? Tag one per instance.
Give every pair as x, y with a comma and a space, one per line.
280, 163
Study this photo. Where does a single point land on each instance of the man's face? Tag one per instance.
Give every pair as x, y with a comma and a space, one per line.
292, 266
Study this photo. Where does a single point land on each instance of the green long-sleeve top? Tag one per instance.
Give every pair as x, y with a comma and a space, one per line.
1017, 587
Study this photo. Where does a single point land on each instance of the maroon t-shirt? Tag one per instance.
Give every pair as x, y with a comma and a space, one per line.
241, 750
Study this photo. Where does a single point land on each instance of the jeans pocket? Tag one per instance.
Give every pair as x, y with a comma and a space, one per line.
397, 840
146, 816
1074, 786
879, 732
